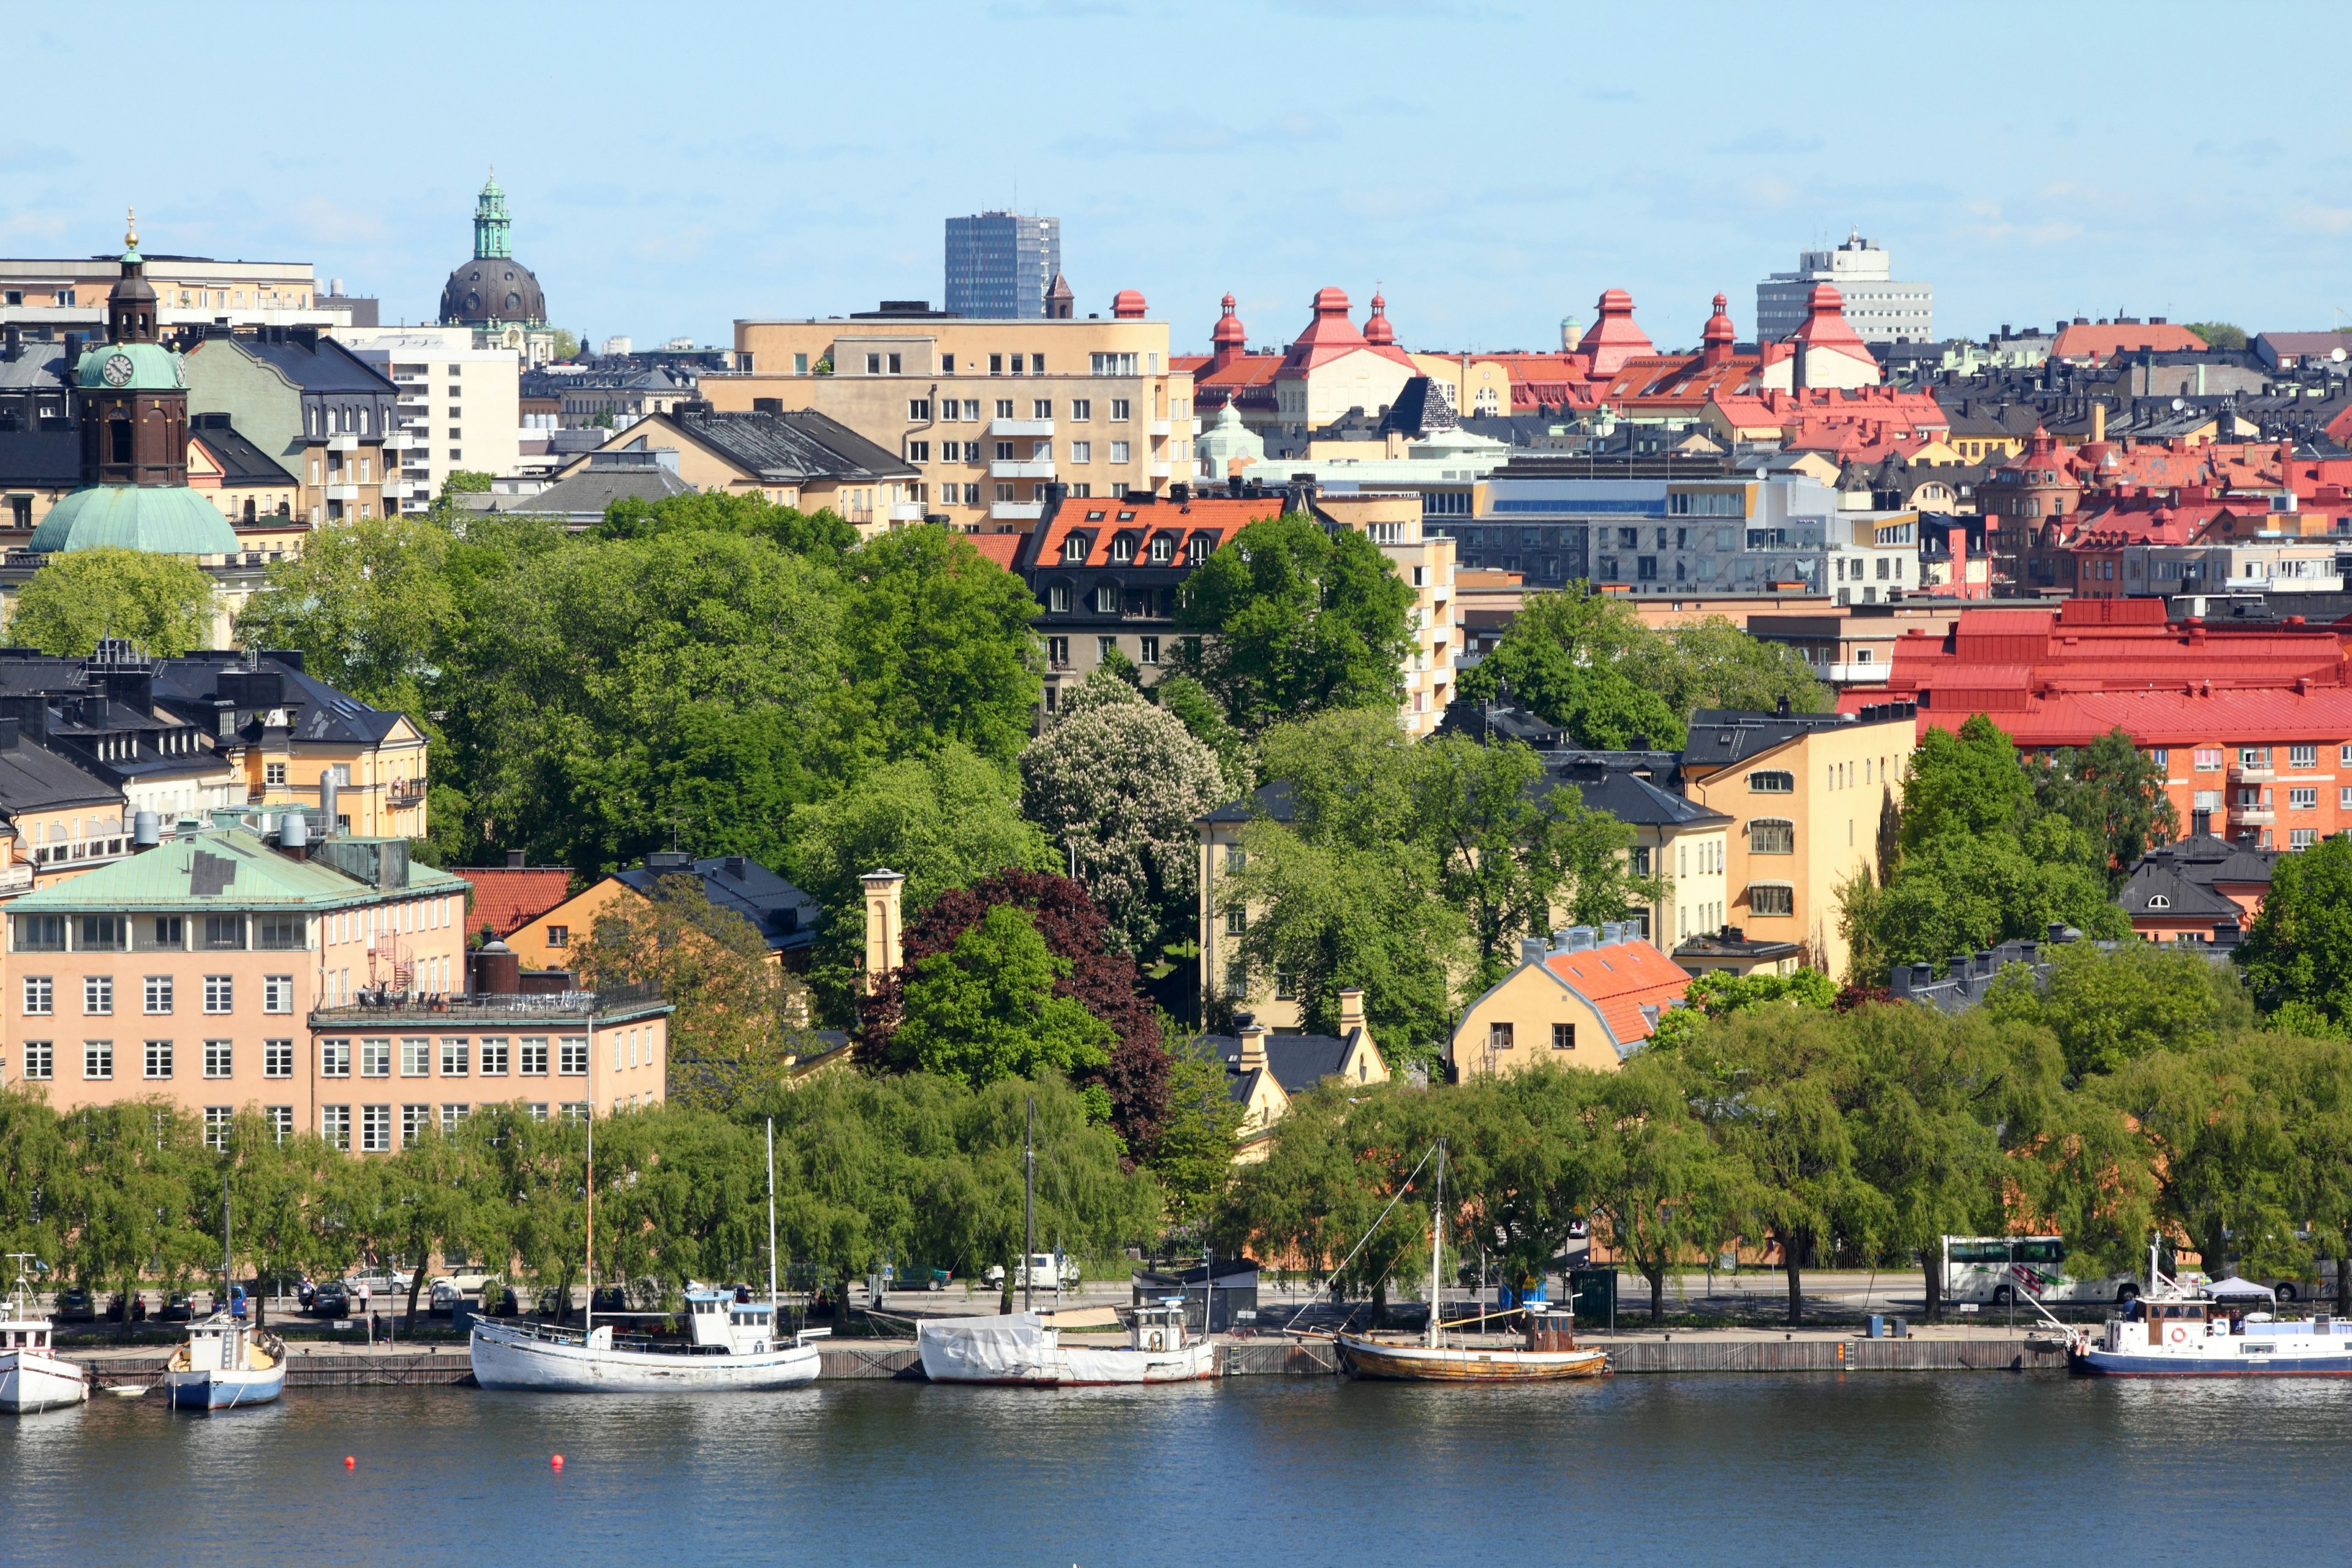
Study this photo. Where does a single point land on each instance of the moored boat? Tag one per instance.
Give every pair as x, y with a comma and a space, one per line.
227, 1364
2221, 1328
1027, 1349
32, 1375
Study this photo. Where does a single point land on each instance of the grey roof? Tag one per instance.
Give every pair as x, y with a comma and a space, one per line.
316, 711
1724, 944
33, 778
242, 462
597, 486
313, 362
2182, 899
1298, 1062
1632, 799
787, 448
38, 365
1273, 800
785, 917
1720, 736
2205, 860
45, 459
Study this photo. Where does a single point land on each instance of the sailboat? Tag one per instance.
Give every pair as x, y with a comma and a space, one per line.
226, 1362
1549, 1351
734, 1344
32, 1375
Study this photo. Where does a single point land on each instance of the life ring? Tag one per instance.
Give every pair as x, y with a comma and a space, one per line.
1158, 1341
2179, 1334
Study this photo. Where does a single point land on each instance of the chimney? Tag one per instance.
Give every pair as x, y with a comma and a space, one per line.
2200, 823
1532, 950
1351, 1012
2098, 420
294, 836
883, 951
515, 861
328, 817
1252, 1034
146, 831
497, 972
16, 344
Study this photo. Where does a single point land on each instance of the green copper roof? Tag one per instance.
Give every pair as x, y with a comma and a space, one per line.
222, 868
162, 519
142, 367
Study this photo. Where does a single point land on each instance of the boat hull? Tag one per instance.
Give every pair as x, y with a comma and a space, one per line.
1070, 1366
2126, 1363
1419, 1363
30, 1381
214, 1390
504, 1358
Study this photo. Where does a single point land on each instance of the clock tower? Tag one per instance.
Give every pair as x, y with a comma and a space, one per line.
134, 398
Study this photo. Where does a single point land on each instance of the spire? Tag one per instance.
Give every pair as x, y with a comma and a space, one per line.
491, 226
130, 234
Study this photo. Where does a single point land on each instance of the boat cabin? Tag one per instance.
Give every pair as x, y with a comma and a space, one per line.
216, 1344
1158, 1325
22, 1336
724, 1323
2169, 1322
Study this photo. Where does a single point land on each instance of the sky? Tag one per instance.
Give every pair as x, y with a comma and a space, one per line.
1490, 167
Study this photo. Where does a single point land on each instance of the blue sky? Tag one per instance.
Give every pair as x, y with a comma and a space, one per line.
1490, 166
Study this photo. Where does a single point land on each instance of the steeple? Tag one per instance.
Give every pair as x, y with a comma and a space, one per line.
491, 224
130, 304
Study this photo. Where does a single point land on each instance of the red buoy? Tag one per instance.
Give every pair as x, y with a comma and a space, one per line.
557, 1462
350, 1463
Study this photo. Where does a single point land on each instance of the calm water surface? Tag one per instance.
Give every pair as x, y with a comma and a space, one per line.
1888, 1468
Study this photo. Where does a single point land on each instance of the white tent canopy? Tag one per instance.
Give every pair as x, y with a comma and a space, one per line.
2235, 1289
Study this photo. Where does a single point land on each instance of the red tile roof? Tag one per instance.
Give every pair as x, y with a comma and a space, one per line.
1216, 518
1612, 339
507, 899
1620, 980
2104, 341
1005, 549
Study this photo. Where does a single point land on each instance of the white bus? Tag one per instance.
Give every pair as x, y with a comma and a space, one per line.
1998, 1269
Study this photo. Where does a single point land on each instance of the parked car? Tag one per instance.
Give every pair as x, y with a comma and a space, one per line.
915, 1277
76, 1306
330, 1299
612, 1298
510, 1303
379, 1284
445, 1299
1044, 1271
177, 1308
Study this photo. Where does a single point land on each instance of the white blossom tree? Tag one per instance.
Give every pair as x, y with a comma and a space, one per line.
1120, 782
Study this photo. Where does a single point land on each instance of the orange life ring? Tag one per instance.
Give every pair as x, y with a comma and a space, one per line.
2179, 1334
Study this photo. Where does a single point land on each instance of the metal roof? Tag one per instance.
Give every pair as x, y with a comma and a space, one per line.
222, 868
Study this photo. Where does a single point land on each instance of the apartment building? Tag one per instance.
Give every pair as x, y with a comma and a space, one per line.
797, 458
1585, 997
1424, 560
458, 406
70, 294
988, 411
313, 406
1805, 793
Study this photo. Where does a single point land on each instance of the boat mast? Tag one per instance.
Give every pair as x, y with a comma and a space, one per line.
588, 1319
228, 1248
1436, 1240
772, 1218
1028, 1205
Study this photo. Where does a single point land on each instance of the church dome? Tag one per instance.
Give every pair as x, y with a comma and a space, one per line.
161, 520
493, 289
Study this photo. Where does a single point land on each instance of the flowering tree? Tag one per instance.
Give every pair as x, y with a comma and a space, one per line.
1120, 781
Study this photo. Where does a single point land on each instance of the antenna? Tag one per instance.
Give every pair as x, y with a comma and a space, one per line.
677, 821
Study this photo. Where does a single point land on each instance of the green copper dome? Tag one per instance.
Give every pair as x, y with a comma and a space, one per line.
130, 367
163, 519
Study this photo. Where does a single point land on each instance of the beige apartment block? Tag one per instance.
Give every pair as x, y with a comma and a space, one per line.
1805, 794
1392, 520
459, 408
989, 412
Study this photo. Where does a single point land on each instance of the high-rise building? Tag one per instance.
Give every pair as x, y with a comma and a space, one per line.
1001, 265
1880, 308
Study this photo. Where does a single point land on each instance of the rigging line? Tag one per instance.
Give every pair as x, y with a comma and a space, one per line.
1368, 1234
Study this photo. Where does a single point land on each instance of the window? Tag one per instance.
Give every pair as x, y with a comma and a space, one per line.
1082, 451
1770, 836
104, 933
2303, 799
278, 1059
1118, 408
335, 1126
572, 1056
1118, 452
1563, 1037
220, 1057
1057, 652
1106, 649
375, 1058
416, 1056
2208, 758
1083, 408
225, 932
40, 1059
538, 1109
375, 1128
1237, 923
453, 1058
217, 1124
494, 1057
159, 1059
2207, 800
1771, 898
1075, 547
220, 993
98, 1059
1771, 783
279, 932
278, 994
280, 1119
2302, 838
1041, 408
1147, 650
1111, 364
1005, 410
415, 1120
534, 1057
2303, 756
273, 775
1498, 1036
559, 936
451, 1115
2160, 757
97, 996
919, 451
874, 364
1106, 600
40, 995
1236, 857
40, 933
2253, 757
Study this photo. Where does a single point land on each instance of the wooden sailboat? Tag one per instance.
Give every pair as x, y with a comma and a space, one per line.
1550, 1352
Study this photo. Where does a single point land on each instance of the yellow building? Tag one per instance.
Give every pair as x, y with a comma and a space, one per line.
1587, 998
796, 459
988, 411
1266, 1071
1807, 792
1392, 521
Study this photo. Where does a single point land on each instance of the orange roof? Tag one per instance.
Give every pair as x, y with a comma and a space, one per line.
2105, 341
1620, 980
1005, 549
506, 898
1613, 337
1103, 521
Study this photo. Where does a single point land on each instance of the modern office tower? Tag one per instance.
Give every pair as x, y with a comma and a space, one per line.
1880, 308
1001, 265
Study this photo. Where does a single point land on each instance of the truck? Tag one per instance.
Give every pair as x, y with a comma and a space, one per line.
1044, 1271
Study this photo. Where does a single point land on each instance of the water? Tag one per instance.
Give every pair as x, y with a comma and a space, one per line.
1883, 1469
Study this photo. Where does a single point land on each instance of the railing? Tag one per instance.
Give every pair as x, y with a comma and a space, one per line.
406, 792
377, 1005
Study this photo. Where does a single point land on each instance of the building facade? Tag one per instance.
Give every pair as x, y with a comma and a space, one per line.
1588, 998
1881, 308
314, 407
458, 406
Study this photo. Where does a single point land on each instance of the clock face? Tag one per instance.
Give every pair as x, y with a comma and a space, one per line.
117, 370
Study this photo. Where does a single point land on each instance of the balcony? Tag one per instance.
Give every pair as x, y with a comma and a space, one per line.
16, 877
404, 441
1855, 673
344, 493
2260, 773
1162, 469
906, 511
406, 792
1002, 428
344, 443
2253, 816
1016, 510
1162, 428
1032, 470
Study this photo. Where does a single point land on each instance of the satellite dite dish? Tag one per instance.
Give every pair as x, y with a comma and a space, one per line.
2336, 355
2178, 405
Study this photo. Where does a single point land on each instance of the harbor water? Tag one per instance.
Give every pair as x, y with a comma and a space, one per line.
1862, 1469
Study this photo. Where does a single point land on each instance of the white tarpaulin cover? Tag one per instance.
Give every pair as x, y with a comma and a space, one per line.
1015, 1347
2223, 1290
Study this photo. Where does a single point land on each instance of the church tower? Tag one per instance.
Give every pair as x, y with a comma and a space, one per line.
492, 238
134, 401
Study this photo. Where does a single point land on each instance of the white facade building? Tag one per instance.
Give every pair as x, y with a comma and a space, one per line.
460, 406
1881, 308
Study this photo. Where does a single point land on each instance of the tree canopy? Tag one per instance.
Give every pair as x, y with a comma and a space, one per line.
163, 604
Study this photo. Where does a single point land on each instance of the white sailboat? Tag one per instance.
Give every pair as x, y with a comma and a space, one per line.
1027, 1349
32, 1376
733, 1344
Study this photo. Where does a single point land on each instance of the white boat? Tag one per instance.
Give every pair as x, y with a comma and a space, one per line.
227, 1364
731, 1346
1028, 1349
734, 1344
32, 1376
2221, 1328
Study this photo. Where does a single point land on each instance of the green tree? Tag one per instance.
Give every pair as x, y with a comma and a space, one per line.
1712, 663
1662, 1187
162, 602
2113, 791
2219, 335
2110, 1007
37, 1169
1715, 994
2299, 949
370, 606
825, 536
2220, 1150
1968, 784
936, 647
133, 1200
1289, 619
1197, 710
466, 481
1119, 783
985, 1008
1194, 1155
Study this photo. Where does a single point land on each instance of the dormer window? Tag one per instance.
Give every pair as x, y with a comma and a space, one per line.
1197, 549
2158, 901
1122, 548
1074, 548
1163, 550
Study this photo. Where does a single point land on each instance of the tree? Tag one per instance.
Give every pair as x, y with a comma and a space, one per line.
1712, 663
2108, 1008
936, 647
466, 481
162, 603
731, 1031
1715, 995
1662, 1186
825, 536
1192, 705
2299, 949
1194, 1155
1289, 619
1967, 785
2219, 335
133, 1203
1119, 783
2220, 1148
986, 1009
2114, 792
370, 606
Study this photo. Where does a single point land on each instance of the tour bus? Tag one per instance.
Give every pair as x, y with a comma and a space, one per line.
1995, 1268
